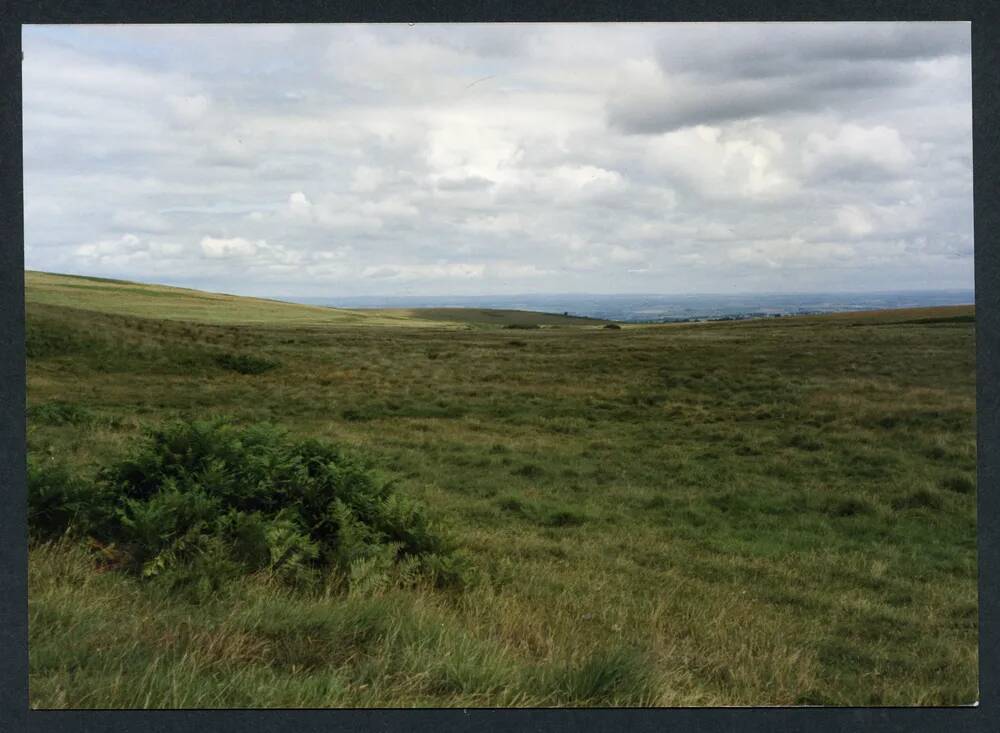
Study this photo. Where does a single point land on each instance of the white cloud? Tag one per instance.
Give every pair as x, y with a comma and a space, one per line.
776, 253
618, 253
126, 244
461, 271
858, 151
126, 252
505, 223
336, 216
229, 151
391, 206
741, 164
188, 109
854, 222
366, 179
236, 247
299, 205
140, 221
518, 271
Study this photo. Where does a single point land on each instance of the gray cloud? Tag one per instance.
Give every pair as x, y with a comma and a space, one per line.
783, 49
717, 74
319, 160
472, 183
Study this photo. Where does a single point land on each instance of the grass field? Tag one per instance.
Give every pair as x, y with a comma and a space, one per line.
769, 512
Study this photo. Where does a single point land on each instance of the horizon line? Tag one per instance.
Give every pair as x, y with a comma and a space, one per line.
554, 294
551, 294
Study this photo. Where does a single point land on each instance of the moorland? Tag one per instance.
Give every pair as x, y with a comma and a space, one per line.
770, 512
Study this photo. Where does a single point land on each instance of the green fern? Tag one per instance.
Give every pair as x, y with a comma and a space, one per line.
196, 502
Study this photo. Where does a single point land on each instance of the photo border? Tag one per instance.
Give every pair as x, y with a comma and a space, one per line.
14, 712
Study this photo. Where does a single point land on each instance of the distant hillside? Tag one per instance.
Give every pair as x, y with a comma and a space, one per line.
159, 301
923, 316
494, 316
121, 297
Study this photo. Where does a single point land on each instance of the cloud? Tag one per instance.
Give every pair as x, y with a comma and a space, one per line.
754, 71
466, 183
858, 152
126, 252
126, 244
617, 253
776, 253
229, 151
299, 205
720, 165
188, 109
518, 271
854, 222
365, 179
140, 221
443, 159
462, 271
236, 247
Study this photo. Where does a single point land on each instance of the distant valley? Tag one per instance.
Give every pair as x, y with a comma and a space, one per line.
665, 308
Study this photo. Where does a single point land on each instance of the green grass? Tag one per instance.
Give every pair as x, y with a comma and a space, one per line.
759, 513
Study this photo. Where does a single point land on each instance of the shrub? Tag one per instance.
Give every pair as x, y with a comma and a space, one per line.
245, 363
52, 339
512, 504
545, 515
354, 414
197, 502
804, 442
850, 507
529, 470
562, 518
730, 501
613, 326
922, 499
959, 484
60, 502
60, 413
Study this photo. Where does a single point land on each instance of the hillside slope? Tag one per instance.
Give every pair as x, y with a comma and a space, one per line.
181, 304
120, 297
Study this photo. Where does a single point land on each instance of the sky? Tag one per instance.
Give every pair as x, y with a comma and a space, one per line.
481, 159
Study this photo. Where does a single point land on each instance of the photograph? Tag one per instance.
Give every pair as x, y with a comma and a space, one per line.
500, 365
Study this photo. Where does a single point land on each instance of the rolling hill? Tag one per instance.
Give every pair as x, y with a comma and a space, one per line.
121, 297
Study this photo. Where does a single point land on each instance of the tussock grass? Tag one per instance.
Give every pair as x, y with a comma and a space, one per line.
959, 484
246, 363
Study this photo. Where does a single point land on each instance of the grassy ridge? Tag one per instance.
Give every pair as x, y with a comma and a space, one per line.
162, 302
120, 297
770, 512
